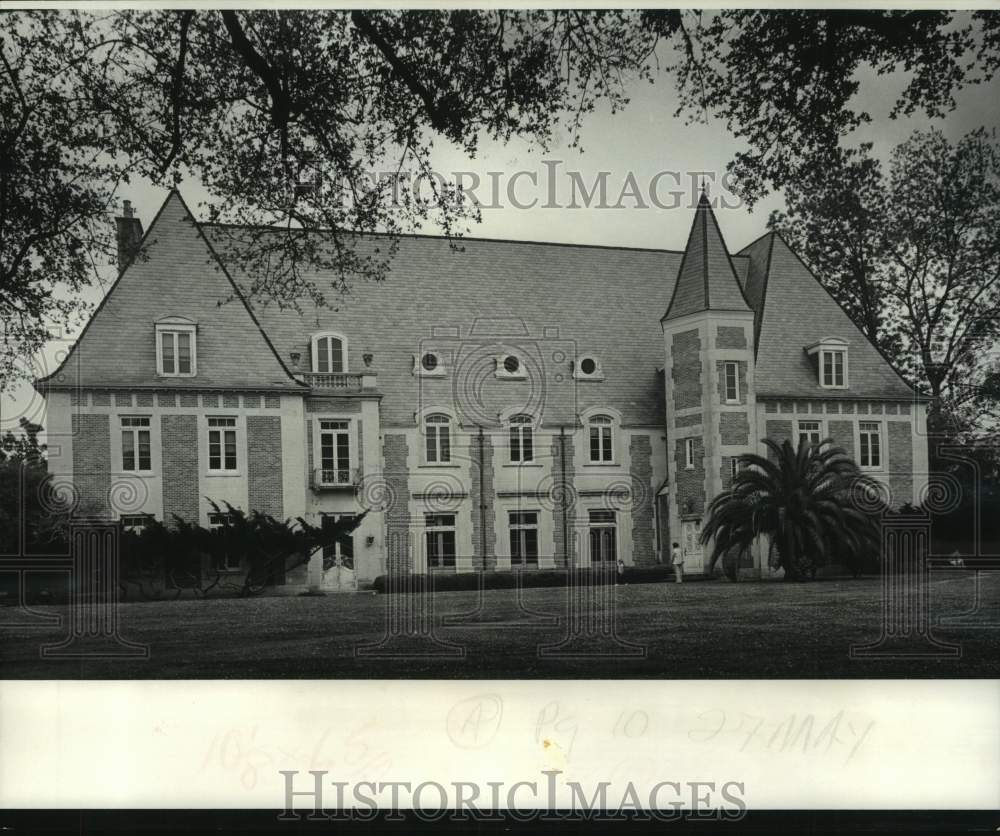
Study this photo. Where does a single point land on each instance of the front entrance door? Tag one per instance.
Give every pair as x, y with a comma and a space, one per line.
694, 560
603, 538
338, 558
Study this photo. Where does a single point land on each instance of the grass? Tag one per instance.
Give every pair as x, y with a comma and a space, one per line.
697, 630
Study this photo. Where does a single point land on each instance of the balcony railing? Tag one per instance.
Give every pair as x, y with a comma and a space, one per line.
336, 479
348, 382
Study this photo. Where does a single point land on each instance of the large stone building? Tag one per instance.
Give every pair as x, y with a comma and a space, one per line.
501, 405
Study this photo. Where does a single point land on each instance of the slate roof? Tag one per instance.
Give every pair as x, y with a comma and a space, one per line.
707, 280
793, 310
176, 274
549, 302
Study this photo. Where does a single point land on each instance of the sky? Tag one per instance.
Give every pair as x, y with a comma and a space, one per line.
644, 140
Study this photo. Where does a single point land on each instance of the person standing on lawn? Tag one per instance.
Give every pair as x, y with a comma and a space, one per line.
677, 558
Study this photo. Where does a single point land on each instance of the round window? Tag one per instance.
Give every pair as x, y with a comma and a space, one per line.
588, 366
511, 364
429, 362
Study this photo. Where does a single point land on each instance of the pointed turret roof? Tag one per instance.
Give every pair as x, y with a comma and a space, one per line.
707, 280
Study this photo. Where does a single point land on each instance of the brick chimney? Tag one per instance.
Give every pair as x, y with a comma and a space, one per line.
129, 234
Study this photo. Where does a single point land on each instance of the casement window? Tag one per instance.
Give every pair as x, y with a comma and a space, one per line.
810, 432
602, 439
833, 368
870, 445
136, 456
176, 350
830, 356
329, 353
603, 537
222, 449
226, 561
439, 534
521, 440
734, 467
523, 538
437, 430
335, 452
689, 454
731, 382
135, 523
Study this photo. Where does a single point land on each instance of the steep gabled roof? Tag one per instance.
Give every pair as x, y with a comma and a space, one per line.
707, 279
793, 310
177, 273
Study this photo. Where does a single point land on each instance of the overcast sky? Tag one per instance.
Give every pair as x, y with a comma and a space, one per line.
642, 141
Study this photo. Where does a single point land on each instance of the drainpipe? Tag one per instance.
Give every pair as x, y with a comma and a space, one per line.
565, 514
482, 499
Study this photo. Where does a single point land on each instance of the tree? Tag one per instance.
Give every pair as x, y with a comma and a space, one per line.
804, 501
914, 257
284, 115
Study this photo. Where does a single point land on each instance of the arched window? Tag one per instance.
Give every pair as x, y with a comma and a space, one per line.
329, 353
522, 442
437, 429
602, 439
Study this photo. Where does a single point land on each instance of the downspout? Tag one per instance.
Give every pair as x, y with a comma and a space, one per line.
565, 515
482, 499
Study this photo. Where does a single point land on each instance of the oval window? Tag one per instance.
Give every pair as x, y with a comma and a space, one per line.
511, 364
588, 366
429, 362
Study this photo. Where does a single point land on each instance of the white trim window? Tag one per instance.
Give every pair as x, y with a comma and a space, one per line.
439, 536
523, 538
870, 445
334, 451
833, 368
810, 432
603, 530
136, 446
176, 350
602, 439
521, 440
227, 561
329, 353
223, 456
731, 381
437, 432
689, 454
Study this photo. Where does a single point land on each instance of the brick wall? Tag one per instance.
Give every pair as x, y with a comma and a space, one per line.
264, 485
730, 336
399, 551
563, 523
179, 438
686, 374
842, 433
641, 471
92, 462
690, 483
900, 461
483, 506
779, 431
734, 428
687, 420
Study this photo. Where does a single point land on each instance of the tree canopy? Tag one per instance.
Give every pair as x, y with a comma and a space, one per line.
282, 115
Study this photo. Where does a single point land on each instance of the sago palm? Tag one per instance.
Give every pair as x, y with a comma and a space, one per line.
804, 500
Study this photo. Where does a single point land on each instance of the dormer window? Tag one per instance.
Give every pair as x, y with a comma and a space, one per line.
329, 353
830, 355
509, 367
176, 347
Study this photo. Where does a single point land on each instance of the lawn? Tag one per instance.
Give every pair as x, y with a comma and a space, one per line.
697, 630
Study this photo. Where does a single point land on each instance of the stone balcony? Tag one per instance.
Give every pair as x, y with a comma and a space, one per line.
340, 382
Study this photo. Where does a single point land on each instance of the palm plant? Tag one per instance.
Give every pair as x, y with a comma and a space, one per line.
804, 500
